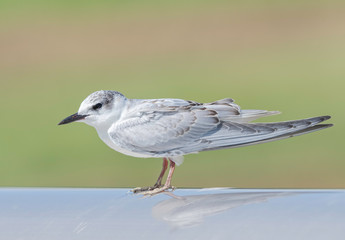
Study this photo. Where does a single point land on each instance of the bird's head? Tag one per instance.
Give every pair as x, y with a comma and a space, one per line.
98, 109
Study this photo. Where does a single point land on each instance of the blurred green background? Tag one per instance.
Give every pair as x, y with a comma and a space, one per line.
275, 55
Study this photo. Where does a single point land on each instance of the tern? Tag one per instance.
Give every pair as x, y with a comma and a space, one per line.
171, 128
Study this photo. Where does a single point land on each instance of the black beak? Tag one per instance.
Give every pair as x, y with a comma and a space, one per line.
72, 118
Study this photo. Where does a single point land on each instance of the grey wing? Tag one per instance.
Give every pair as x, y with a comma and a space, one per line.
232, 134
168, 127
163, 127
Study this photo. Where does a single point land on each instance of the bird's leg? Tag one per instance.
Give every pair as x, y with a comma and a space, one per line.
166, 186
158, 182
164, 168
171, 172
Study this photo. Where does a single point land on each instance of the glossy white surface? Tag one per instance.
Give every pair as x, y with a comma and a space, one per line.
44, 213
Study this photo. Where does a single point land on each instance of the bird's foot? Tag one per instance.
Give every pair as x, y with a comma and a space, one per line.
150, 191
142, 189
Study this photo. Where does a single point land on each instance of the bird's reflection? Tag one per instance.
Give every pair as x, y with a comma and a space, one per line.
189, 211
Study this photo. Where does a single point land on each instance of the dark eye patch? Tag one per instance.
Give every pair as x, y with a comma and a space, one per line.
97, 106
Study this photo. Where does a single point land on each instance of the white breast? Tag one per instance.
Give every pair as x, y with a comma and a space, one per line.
103, 134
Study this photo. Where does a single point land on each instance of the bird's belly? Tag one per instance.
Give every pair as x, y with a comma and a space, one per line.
106, 139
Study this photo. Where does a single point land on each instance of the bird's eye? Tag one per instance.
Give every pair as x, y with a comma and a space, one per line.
97, 106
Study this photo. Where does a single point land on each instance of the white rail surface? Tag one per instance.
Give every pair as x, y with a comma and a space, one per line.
48, 213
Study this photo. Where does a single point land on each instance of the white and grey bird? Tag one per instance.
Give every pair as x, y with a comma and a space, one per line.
171, 128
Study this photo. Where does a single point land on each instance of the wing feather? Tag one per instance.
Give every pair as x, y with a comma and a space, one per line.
175, 127
163, 128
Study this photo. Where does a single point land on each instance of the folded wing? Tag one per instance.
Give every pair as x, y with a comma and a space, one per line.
174, 127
